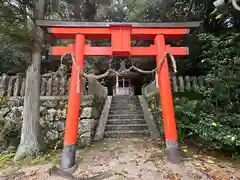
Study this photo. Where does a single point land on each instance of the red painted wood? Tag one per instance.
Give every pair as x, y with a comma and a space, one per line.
169, 121
60, 50
137, 33
107, 51
97, 51
121, 41
71, 128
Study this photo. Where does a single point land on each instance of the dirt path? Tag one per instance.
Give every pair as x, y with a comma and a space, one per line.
132, 159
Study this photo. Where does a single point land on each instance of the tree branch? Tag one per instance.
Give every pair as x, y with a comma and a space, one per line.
13, 7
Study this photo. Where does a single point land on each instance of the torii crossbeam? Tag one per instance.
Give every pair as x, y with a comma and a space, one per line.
121, 35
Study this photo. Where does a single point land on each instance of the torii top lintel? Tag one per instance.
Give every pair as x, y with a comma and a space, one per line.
120, 33
103, 30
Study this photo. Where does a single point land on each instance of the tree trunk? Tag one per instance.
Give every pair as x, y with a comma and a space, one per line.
30, 143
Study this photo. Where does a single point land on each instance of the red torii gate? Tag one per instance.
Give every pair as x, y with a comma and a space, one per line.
121, 35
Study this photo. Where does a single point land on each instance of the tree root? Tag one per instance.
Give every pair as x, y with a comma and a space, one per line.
28, 149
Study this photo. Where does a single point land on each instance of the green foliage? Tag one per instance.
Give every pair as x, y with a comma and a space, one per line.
215, 118
10, 136
216, 130
221, 54
199, 121
10, 55
173, 11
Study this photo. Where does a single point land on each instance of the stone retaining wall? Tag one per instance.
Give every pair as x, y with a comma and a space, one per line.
52, 118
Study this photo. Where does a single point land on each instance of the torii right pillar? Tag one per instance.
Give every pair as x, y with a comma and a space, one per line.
169, 121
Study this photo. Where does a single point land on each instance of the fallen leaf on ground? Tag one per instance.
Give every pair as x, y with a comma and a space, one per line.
210, 161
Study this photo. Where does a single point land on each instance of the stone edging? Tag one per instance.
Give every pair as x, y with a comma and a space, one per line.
103, 120
149, 119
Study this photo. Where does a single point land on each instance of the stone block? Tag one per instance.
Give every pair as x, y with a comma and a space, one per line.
16, 115
50, 104
88, 101
42, 122
51, 114
60, 126
16, 102
52, 135
86, 129
63, 104
59, 115
89, 113
43, 111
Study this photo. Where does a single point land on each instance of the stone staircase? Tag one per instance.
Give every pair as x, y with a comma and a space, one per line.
126, 118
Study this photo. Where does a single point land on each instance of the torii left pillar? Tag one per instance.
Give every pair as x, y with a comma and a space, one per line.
68, 159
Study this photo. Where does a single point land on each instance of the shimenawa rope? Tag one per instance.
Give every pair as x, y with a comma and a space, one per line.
85, 75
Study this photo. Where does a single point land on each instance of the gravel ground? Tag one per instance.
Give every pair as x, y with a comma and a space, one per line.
132, 159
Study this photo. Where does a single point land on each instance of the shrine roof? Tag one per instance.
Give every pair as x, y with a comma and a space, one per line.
49, 23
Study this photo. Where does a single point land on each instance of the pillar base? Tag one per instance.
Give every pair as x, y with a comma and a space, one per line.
173, 152
68, 159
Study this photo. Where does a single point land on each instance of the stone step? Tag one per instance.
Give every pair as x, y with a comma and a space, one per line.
126, 116
125, 100
126, 134
127, 105
126, 127
120, 112
125, 121
126, 108
125, 97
